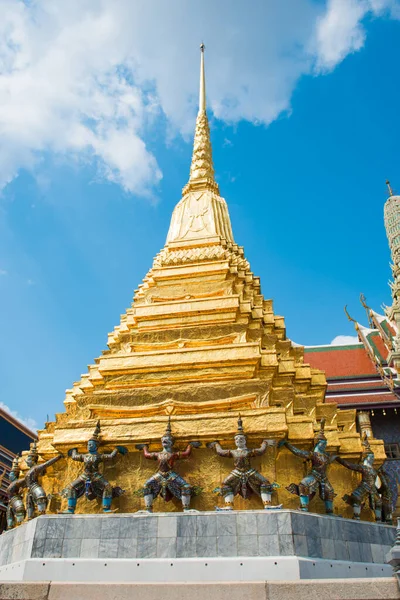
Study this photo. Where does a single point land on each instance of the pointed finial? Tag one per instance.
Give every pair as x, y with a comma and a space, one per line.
201, 170
15, 469
240, 430
389, 187
348, 316
363, 301
365, 443
321, 433
96, 433
168, 430
33, 451
202, 92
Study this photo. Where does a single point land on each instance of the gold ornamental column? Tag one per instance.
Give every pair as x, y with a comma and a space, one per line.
364, 422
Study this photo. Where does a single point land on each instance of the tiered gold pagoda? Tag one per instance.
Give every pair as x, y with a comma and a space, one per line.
201, 344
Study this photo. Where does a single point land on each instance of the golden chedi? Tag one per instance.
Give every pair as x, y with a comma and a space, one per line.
200, 344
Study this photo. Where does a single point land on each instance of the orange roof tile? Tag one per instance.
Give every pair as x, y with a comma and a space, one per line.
337, 386
340, 361
378, 398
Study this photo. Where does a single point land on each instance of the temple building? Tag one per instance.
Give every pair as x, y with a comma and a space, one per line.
200, 344
365, 375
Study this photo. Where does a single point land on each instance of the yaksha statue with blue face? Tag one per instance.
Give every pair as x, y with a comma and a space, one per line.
244, 479
366, 490
316, 479
91, 482
36, 499
15, 508
166, 482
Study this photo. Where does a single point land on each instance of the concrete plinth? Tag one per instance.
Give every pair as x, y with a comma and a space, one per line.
328, 589
182, 547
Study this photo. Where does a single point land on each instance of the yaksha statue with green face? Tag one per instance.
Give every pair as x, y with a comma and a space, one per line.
36, 497
366, 490
316, 479
244, 479
91, 482
15, 508
166, 482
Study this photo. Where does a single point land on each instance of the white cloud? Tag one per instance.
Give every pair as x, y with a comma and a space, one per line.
340, 30
344, 340
89, 80
29, 422
3, 272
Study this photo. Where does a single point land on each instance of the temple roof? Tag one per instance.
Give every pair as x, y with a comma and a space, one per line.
340, 361
359, 373
16, 422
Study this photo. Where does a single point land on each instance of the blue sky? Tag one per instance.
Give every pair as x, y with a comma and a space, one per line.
98, 106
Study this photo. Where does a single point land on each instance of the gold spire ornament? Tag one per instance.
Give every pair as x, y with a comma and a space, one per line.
201, 214
202, 87
202, 169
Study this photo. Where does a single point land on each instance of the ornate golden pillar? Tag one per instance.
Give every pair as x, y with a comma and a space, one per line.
364, 423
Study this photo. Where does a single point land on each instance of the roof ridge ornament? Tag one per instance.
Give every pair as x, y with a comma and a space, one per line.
351, 318
374, 323
363, 301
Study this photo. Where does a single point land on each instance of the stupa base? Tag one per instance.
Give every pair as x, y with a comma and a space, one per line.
188, 547
181, 570
327, 589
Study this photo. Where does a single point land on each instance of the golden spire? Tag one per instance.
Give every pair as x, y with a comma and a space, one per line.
389, 187
201, 169
202, 87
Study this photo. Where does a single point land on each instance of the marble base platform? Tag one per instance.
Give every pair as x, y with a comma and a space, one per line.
324, 589
207, 546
